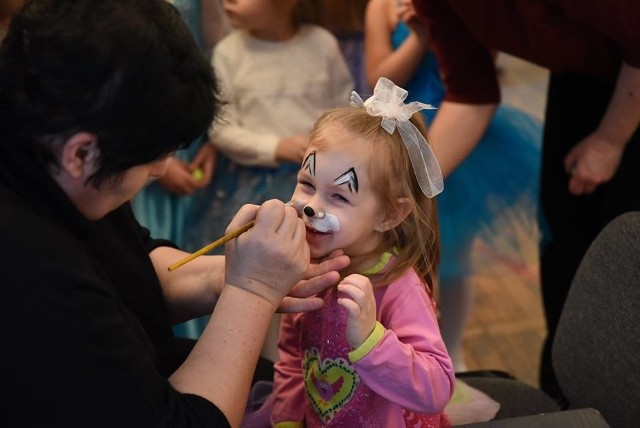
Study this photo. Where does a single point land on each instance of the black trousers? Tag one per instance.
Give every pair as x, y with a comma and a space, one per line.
575, 105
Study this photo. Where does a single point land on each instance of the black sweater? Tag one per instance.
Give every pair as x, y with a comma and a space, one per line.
85, 331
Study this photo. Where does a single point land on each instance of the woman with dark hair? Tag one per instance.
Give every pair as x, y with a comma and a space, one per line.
93, 98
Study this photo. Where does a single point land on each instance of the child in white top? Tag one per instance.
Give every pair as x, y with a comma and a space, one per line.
277, 75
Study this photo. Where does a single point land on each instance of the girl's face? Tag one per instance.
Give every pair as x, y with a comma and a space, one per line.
335, 179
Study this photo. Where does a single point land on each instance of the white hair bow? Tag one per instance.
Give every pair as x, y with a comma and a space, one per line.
387, 102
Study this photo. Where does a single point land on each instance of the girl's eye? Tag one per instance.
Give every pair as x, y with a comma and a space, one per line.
340, 197
306, 184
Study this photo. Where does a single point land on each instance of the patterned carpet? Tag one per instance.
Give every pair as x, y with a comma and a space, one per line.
506, 328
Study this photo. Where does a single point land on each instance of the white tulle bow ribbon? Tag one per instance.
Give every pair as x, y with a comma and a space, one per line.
387, 102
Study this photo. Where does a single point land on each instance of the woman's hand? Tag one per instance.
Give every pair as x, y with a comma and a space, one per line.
360, 303
319, 276
591, 163
270, 258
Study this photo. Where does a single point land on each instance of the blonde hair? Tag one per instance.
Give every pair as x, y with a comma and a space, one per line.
416, 240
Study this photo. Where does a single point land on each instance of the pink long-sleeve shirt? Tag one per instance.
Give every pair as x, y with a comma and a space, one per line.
401, 376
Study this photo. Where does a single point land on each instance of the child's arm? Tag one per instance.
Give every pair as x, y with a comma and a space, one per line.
179, 179
240, 144
405, 359
381, 60
288, 387
292, 149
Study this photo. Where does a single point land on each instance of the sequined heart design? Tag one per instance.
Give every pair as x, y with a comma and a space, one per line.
330, 383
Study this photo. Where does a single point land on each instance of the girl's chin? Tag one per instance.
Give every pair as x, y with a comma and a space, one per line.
318, 253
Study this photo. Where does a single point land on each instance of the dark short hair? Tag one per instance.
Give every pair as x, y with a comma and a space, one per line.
128, 71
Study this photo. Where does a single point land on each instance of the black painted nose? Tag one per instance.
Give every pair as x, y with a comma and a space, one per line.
308, 211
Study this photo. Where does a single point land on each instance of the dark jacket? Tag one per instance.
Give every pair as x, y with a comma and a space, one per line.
85, 330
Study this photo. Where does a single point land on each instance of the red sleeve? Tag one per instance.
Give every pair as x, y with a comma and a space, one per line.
467, 67
618, 20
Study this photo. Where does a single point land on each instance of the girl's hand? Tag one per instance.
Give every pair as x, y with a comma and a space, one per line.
178, 178
408, 15
204, 161
361, 306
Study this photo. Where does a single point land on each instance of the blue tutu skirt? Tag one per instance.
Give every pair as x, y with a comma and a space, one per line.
170, 216
176, 218
498, 183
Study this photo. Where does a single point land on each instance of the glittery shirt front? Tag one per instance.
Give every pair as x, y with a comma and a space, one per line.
406, 378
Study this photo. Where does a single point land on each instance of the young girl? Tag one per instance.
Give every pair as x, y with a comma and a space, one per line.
372, 355
497, 183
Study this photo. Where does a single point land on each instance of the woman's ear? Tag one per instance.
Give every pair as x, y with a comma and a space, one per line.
398, 213
79, 155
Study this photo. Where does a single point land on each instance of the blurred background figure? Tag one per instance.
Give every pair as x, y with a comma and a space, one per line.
591, 149
171, 205
278, 72
497, 182
8, 8
345, 19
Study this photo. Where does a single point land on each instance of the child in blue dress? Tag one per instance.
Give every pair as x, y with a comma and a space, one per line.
497, 180
171, 206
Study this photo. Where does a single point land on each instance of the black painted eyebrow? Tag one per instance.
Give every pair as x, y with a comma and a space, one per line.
350, 178
310, 163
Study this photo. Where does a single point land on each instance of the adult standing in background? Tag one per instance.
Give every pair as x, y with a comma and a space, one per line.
591, 145
495, 184
7, 9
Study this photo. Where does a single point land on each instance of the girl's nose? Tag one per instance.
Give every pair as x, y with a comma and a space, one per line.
310, 212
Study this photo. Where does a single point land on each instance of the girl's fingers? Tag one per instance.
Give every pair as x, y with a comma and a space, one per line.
352, 307
353, 291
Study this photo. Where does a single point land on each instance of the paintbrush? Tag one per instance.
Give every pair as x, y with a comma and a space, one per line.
298, 205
